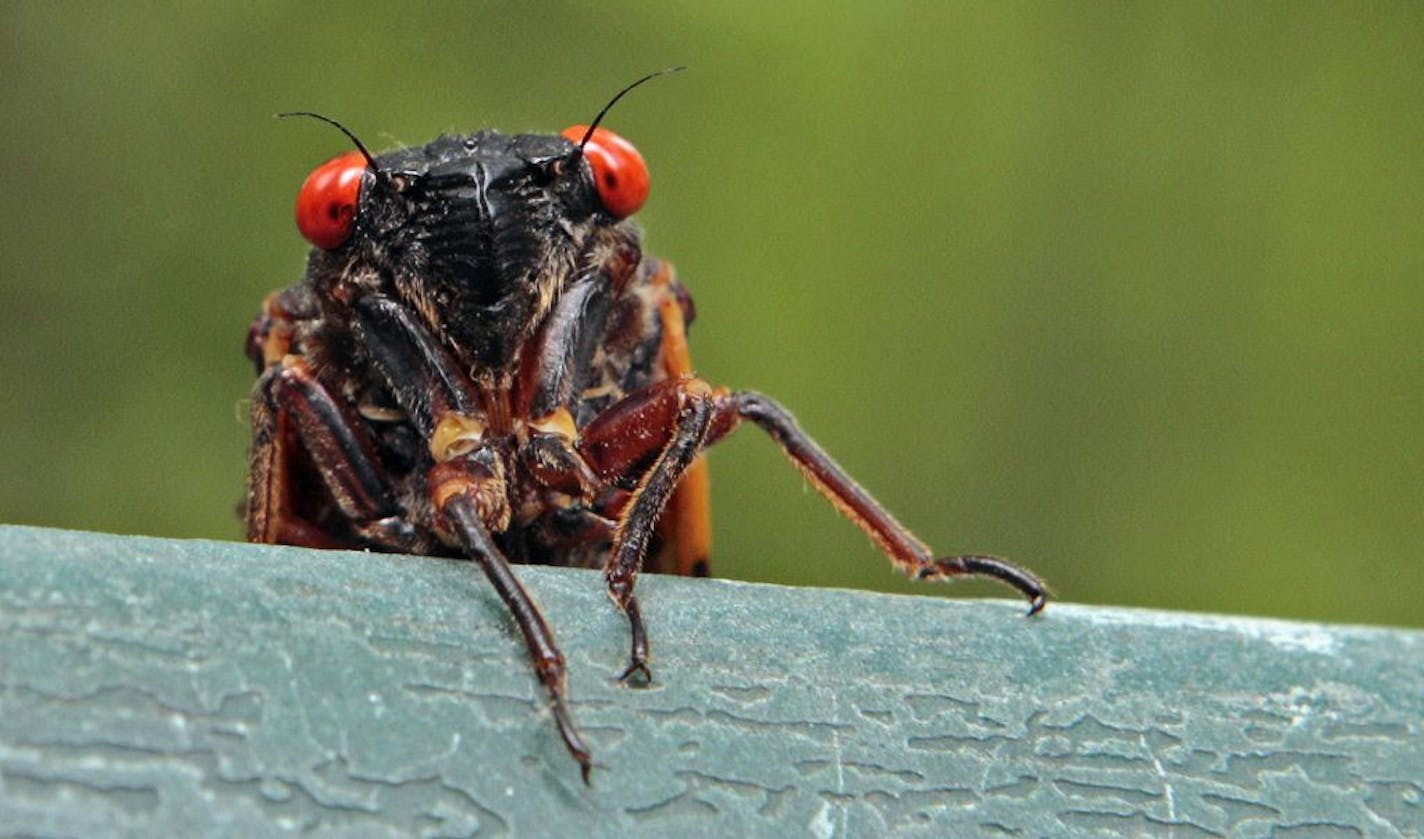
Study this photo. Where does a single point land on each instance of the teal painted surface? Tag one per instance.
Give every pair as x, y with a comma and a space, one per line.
1130, 293
158, 687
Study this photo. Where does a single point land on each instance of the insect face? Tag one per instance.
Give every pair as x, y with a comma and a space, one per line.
482, 230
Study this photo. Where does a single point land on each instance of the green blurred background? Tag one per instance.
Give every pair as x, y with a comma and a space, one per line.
1131, 293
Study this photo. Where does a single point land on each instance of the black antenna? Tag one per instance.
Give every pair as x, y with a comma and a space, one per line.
370, 161
611, 102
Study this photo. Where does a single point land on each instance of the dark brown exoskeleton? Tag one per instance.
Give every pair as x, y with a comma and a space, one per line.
481, 362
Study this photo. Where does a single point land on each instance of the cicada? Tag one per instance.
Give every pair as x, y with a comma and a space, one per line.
482, 362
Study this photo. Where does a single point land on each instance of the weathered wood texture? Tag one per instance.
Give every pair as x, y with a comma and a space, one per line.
159, 687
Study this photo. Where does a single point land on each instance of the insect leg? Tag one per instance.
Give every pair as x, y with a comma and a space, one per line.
425, 380
461, 488
467, 485
686, 524
550, 377
671, 421
565, 346
908, 553
290, 407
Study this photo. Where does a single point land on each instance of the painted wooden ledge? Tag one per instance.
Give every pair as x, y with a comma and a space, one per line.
162, 687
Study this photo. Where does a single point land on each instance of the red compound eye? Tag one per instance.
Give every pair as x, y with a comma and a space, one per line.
618, 169
326, 204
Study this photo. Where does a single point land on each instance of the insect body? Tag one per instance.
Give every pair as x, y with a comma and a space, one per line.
481, 362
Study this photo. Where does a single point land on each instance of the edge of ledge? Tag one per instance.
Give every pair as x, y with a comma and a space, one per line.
188, 685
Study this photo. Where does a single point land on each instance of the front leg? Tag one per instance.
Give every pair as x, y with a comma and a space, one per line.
301, 434
467, 484
630, 540
463, 491
669, 423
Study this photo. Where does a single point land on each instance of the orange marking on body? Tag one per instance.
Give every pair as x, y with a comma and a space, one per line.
455, 434
676, 358
686, 524
559, 422
691, 507
266, 497
278, 341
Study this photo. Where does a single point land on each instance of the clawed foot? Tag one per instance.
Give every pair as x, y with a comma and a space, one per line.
636, 674
586, 766
1027, 584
